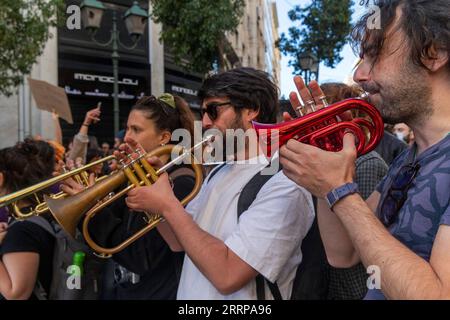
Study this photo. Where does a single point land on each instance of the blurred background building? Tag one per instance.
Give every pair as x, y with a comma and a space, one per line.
254, 41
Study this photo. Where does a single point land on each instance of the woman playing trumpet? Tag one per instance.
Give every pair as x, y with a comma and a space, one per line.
147, 269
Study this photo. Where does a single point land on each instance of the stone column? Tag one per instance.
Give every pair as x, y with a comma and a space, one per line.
9, 120
156, 57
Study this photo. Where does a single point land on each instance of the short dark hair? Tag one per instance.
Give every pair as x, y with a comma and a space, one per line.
26, 163
426, 24
246, 88
91, 154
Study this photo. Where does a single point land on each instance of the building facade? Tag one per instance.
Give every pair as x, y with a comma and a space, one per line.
20, 117
85, 71
254, 42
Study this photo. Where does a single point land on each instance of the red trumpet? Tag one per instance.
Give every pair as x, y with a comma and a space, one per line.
325, 129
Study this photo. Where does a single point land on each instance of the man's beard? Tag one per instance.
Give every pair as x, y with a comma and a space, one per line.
230, 153
405, 99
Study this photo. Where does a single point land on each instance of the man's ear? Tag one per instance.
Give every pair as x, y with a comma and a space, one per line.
251, 115
439, 59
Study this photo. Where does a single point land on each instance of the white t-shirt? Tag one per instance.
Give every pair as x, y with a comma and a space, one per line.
268, 236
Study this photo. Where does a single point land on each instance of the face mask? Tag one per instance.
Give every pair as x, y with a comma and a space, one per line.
400, 136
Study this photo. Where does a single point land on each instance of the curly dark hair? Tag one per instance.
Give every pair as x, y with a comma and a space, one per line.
425, 23
26, 163
164, 116
246, 88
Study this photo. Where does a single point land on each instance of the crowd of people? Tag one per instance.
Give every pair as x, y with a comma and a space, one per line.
310, 230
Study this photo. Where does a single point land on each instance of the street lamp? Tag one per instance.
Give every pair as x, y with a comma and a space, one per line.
91, 14
306, 60
315, 68
309, 65
135, 19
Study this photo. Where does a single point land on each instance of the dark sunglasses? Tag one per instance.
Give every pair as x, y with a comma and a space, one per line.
211, 109
397, 193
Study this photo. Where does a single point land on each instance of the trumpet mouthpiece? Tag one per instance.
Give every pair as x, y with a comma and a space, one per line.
364, 95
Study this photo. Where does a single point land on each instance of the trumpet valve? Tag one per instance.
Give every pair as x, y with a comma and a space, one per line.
299, 111
311, 105
324, 101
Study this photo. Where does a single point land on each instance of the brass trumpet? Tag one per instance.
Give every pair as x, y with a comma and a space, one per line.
41, 207
69, 211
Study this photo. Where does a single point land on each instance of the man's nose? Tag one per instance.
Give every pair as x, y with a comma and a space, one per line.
362, 72
206, 121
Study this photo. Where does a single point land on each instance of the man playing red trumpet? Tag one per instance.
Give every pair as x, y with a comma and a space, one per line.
403, 229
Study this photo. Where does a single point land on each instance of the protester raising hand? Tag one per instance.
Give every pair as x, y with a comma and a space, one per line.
81, 140
92, 116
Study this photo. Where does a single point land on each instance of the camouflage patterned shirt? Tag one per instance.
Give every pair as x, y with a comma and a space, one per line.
427, 205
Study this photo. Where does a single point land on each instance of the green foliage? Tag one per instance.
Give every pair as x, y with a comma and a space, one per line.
194, 29
24, 30
323, 29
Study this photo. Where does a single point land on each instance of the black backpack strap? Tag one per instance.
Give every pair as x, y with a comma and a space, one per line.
246, 198
273, 287
214, 171
260, 289
250, 191
43, 223
311, 281
39, 291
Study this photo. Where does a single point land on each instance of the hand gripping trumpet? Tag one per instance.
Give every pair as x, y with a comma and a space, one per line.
325, 129
138, 172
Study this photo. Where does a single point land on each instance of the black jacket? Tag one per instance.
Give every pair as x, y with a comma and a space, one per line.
150, 257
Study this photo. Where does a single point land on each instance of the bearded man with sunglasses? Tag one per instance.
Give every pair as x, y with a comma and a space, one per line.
404, 227
226, 252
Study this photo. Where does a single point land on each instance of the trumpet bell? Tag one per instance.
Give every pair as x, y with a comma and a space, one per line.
69, 211
65, 213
